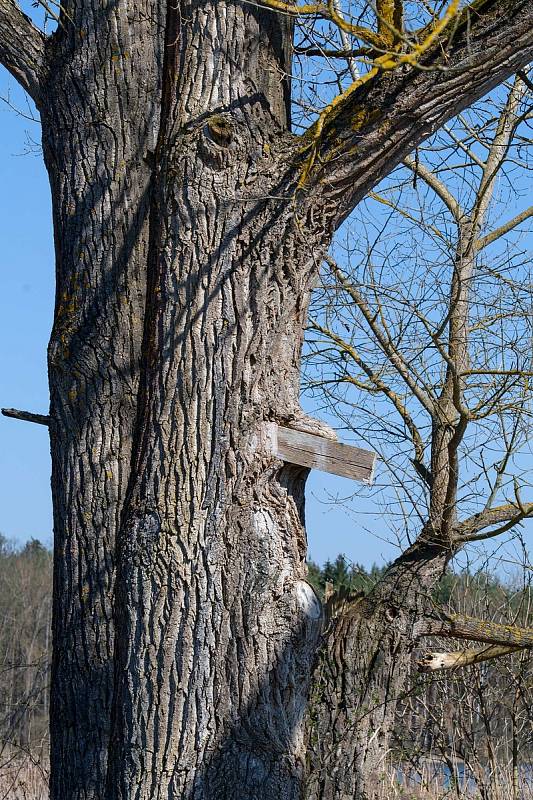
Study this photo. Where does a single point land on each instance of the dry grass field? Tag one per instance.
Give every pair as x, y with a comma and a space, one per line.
23, 780
26, 781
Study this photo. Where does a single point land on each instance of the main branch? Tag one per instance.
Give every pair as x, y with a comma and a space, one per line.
21, 47
374, 127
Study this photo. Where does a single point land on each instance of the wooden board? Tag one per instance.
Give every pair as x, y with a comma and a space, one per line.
317, 452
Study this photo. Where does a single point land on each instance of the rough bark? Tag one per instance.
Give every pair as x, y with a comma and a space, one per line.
216, 625
184, 266
21, 48
99, 124
362, 671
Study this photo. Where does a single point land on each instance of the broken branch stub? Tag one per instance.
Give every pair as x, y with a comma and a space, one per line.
26, 416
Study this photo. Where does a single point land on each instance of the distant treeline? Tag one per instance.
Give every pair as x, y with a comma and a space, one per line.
481, 716
343, 574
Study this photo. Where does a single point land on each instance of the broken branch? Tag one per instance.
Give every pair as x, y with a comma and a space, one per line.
431, 662
26, 416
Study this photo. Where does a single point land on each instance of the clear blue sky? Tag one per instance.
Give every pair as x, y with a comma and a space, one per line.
26, 305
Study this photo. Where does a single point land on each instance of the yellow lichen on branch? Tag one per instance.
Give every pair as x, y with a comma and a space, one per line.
384, 63
396, 46
328, 12
389, 20
364, 34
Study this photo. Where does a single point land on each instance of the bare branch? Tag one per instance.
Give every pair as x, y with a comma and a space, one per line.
459, 142
522, 75
403, 213
459, 626
350, 61
26, 416
324, 52
380, 386
503, 229
21, 47
383, 339
329, 12
438, 187
509, 514
499, 147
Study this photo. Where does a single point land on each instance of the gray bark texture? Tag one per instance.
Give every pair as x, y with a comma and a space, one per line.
187, 642
361, 672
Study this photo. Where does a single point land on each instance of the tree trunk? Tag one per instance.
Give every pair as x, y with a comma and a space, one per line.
217, 627
210, 697
363, 670
99, 121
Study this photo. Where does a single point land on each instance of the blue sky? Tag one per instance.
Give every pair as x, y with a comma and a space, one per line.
26, 306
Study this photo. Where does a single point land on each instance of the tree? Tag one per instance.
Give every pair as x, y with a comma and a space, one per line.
418, 342
25, 610
190, 223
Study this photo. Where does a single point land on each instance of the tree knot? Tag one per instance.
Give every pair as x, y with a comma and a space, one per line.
220, 130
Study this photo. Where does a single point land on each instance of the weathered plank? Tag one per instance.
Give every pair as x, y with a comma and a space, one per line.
317, 452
